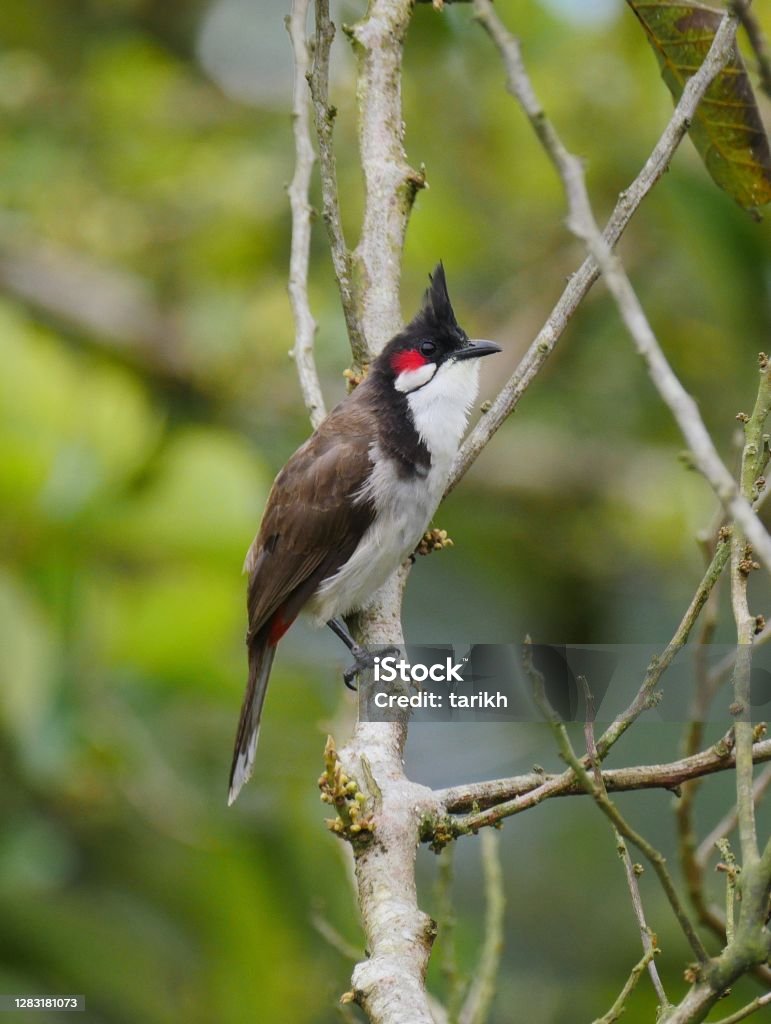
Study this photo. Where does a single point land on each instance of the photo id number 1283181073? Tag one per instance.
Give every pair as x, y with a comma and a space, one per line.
20, 1002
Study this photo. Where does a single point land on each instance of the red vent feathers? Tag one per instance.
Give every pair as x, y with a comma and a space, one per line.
278, 626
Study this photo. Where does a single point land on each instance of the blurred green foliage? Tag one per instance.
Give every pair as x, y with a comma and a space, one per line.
135, 462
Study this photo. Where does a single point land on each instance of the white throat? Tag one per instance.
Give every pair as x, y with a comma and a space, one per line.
409, 380
441, 408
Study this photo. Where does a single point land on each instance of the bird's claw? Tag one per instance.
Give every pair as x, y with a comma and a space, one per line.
364, 661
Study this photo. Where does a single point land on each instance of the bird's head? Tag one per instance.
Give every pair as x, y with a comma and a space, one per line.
433, 352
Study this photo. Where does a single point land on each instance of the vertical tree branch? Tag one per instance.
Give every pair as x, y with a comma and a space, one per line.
324, 116
727, 824
476, 1006
389, 181
305, 325
648, 944
390, 984
446, 923
630, 869
753, 460
757, 40
692, 869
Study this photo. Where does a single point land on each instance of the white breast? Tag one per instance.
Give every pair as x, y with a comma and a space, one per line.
404, 506
440, 410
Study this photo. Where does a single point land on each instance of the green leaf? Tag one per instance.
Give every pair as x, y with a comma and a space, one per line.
727, 129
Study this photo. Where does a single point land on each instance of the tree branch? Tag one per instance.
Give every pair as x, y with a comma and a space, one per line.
754, 459
646, 695
728, 823
390, 984
390, 184
619, 1006
692, 870
599, 793
582, 223
648, 939
499, 798
745, 1011
446, 922
581, 281
305, 325
324, 116
757, 40
630, 869
480, 996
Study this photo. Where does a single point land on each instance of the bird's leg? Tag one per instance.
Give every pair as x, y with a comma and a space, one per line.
363, 660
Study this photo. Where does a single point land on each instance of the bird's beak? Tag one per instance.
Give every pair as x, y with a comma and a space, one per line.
474, 349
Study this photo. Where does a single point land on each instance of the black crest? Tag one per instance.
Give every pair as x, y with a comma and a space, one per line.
434, 322
436, 315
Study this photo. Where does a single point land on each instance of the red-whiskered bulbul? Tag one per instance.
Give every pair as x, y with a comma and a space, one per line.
353, 502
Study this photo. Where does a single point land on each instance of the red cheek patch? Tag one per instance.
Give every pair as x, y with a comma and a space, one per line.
409, 359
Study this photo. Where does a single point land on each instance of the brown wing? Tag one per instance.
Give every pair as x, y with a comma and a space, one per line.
312, 522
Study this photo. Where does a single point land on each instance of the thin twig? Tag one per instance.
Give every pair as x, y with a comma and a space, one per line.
438, 1010
683, 408
324, 116
476, 1006
609, 809
445, 926
728, 866
727, 824
305, 325
745, 1011
692, 870
581, 221
333, 938
619, 1006
631, 870
757, 40
648, 940
646, 696
721, 672
629, 201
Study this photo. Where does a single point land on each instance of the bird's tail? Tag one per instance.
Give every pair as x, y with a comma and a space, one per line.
261, 653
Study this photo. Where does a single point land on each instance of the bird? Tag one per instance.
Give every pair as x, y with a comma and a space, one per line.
353, 502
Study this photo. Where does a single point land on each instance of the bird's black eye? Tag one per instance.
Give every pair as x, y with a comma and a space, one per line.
428, 348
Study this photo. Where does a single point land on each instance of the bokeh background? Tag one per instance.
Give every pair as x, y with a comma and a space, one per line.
146, 401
